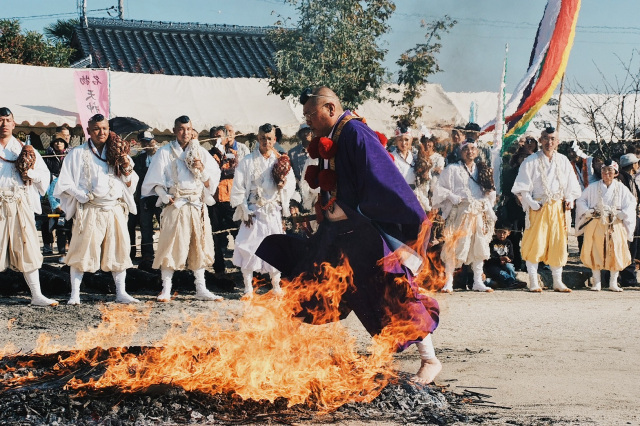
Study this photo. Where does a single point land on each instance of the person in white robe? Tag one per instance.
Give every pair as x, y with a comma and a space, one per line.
605, 214
308, 194
184, 176
546, 186
467, 208
403, 155
99, 203
260, 204
19, 242
428, 166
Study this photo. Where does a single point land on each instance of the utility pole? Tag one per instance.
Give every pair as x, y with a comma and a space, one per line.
121, 9
82, 11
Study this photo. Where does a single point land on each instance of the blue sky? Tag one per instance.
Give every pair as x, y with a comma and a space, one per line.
472, 53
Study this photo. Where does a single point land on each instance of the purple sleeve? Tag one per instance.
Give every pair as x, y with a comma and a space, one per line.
373, 183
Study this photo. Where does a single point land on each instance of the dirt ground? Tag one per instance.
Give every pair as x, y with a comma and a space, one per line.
544, 358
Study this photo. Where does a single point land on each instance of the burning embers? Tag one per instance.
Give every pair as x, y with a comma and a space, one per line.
265, 354
266, 359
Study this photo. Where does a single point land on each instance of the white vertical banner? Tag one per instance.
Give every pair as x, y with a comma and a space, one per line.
498, 134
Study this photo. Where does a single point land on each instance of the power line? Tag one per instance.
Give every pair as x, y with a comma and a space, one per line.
55, 15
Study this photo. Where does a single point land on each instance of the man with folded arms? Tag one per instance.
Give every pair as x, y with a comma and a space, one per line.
98, 199
546, 187
19, 200
184, 176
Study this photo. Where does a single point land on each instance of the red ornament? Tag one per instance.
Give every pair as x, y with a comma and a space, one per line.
312, 149
326, 148
383, 139
311, 176
328, 179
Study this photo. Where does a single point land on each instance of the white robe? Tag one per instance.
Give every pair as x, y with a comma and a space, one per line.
254, 192
309, 195
473, 217
10, 178
422, 190
614, 199
169, 170
536, 169
82, 170
405, 165
454, 179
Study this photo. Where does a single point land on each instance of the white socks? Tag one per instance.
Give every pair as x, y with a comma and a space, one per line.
201, 289
37, 298
167, 275
426, 349
118, 277
613, 281
76, 279
478, 283
275, 282
532, 270
558, 285
247, 277
597, 280
121, 294
448, 285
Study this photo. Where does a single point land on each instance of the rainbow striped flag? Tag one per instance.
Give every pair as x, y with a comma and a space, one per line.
548, 62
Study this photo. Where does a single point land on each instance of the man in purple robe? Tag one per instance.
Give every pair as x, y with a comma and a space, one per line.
370, 212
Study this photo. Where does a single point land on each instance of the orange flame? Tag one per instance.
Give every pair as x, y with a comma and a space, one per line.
265, 354
431, 276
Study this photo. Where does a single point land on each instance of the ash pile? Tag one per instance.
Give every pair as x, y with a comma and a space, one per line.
46, 400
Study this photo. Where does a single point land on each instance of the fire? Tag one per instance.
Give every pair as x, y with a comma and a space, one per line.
431, 277
267, 353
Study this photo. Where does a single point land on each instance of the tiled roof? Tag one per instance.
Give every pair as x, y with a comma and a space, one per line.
176, 48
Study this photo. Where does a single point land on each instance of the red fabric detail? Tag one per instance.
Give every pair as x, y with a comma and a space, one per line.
326, 148
311, 176
383, 139
312, 149
327, 179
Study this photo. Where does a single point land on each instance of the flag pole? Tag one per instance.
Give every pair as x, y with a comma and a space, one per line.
560, 104
498, 135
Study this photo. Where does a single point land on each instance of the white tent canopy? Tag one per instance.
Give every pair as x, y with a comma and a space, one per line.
575, 111
45, 97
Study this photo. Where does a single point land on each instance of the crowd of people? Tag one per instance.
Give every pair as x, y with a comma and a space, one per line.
482, 238
369, 200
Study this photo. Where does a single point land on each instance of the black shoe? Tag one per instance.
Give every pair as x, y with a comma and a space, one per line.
517, 284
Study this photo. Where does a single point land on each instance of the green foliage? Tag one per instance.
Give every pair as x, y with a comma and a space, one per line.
62, 31
335, 44
30, 48
416, 66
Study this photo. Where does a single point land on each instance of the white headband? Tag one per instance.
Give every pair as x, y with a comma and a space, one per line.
399, 131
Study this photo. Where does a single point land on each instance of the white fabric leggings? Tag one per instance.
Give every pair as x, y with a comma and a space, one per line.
426, 349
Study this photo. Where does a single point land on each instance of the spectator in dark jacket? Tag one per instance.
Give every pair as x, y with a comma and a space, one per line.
499, 267
53, 157
146, 205
629, 165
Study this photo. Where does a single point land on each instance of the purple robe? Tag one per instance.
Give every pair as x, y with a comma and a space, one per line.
376, 199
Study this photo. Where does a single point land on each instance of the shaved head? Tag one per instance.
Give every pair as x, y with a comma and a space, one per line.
322, 110
323, 94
